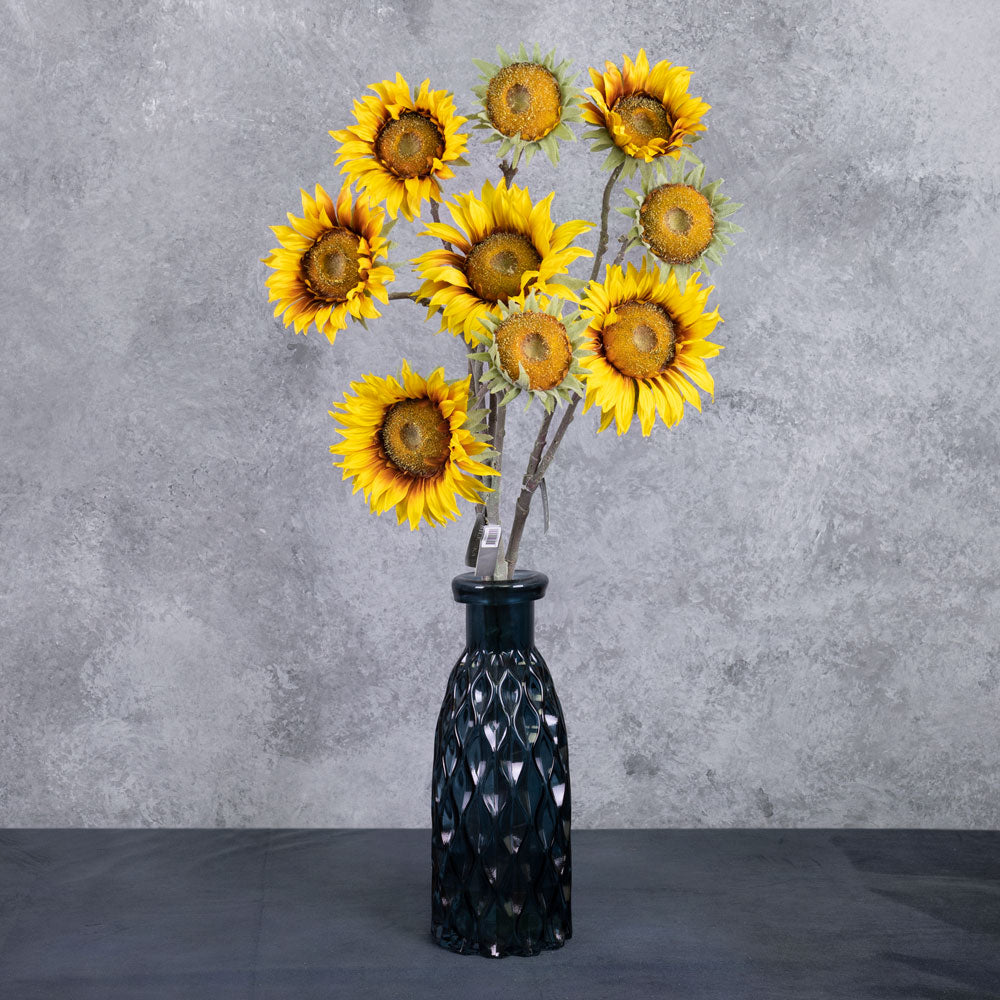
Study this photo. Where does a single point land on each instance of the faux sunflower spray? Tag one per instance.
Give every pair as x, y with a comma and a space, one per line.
631, 343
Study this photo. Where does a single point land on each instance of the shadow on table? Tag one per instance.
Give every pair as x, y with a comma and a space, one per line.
311, 898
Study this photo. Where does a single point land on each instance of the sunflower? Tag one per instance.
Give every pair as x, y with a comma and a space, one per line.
327, 266
402, 146
682, 220
410, 444
504, 248
647, 344
642, 113
527, 101
532, 349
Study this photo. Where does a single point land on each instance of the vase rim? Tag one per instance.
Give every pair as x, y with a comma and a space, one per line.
527, 585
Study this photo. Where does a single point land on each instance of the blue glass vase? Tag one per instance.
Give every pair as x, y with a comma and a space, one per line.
501, 794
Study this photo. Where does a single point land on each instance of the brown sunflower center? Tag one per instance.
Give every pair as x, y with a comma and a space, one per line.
524, 99
677, 222
407, 145
539, 343
330, 265
642, 342
644, 118
495, 265
417, 437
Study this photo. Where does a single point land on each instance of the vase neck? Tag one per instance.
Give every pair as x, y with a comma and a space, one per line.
500, 614
497, 627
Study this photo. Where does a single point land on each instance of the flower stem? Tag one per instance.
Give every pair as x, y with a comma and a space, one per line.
540, 459
498, 416
622, 250
436, 216
532, 481
523, 505
412, 296
602, 243
508, 171
536, 451
539, 474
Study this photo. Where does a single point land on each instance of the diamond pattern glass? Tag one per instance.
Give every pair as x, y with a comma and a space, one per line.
501, 793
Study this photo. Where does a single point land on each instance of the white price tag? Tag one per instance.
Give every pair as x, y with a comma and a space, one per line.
489, 550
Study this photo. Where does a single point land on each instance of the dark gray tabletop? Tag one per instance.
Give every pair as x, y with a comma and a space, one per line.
298, 914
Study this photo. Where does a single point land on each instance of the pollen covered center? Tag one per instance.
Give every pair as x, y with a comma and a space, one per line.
518, 99
537, 342
677, 222
495, 265
407, 145
331, 265
524, 100
642, 342
644, 118
416, 437
534, 347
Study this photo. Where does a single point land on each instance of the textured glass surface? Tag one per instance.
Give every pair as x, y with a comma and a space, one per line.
501, 793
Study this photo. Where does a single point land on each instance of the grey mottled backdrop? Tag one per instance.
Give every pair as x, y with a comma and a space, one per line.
783, 612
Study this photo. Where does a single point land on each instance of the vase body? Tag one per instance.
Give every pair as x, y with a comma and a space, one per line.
501, 794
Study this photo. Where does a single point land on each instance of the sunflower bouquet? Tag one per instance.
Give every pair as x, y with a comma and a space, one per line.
632, 342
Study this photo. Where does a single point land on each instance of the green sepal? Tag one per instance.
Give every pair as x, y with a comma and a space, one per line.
615, 157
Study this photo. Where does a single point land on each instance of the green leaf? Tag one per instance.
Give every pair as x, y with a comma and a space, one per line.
615, 157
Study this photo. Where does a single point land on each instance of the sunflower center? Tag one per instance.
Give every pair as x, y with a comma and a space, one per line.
416, 437
644, 118
677, 222
644, 338
535, 347
642, 342
495, 265
330, 265
537, 342
524, 100
407, 145
518, 98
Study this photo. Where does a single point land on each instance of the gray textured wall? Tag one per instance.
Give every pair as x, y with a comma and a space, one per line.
783, 612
